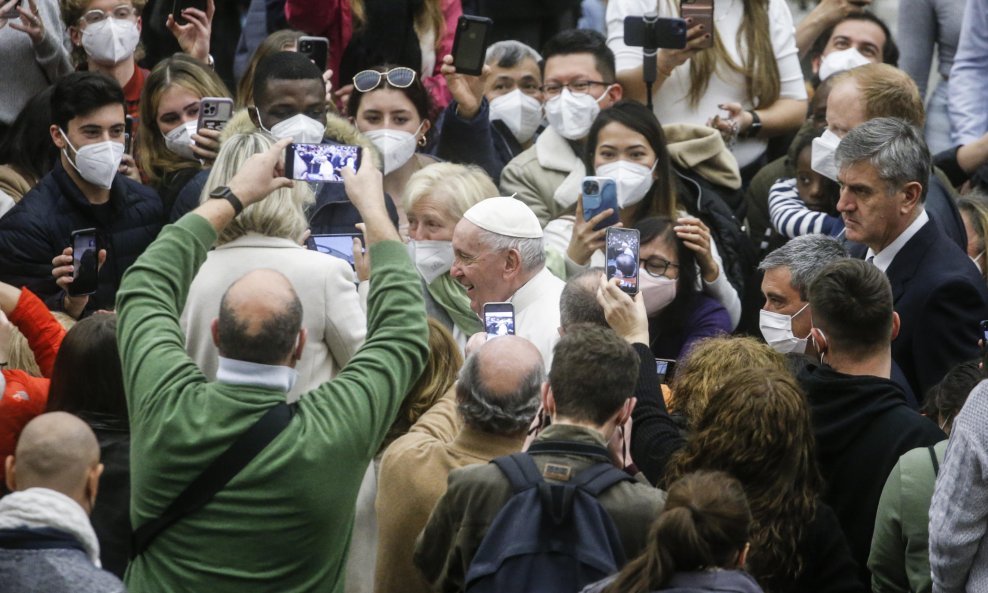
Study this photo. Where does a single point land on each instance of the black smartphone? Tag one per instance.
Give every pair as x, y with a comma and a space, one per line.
179, 5
470, 44
499, 319
320, 163
13, 13
316, 49
702, 13
665, 368
128, 135
85, 262
655, 32
622, 248
214, 112
340, 246
599, 194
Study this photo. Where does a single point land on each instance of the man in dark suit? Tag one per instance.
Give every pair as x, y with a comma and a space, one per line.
883, 166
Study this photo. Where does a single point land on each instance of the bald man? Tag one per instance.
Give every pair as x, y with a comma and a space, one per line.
283, 521
487, 416
46, 540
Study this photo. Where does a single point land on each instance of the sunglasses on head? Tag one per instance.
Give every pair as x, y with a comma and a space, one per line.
367, 80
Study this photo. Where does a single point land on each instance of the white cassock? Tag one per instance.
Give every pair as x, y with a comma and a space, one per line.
537, 312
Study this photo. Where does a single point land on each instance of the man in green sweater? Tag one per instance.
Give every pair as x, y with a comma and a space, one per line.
283, 522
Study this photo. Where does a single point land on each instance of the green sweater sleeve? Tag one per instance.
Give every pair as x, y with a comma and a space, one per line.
149, 302
359, 405
887, 560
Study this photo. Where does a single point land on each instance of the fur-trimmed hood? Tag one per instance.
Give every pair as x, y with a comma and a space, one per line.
702, 150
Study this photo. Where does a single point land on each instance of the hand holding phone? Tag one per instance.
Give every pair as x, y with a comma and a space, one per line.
599, 194
85, 262
701, 12
622, 256
214, 113
470, 44
499, 319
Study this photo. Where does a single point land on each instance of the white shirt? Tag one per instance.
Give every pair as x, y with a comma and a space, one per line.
883, 259
671, 100
537, 312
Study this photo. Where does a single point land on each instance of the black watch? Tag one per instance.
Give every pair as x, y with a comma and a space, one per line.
756, 125
223, 193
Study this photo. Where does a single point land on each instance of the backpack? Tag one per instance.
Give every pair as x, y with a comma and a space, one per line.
549, 537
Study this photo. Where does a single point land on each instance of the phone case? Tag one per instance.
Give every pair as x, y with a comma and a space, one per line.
470, 44
180, 5
214, 112
702, 13
316, 48
595, 202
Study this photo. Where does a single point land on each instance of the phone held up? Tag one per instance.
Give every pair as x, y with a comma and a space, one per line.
599, 194
85, 262
621, 253
665, 368
702, 13
653, 32
339, 246
214, 113
129, 135
316, 49
179, 5
320, 163
470, 44
499, 319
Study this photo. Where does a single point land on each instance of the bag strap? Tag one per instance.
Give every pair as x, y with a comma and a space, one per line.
520, 470
216, 475
571, 448
933, 458
599, 477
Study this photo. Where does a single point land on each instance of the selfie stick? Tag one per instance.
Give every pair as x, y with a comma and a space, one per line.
650, 52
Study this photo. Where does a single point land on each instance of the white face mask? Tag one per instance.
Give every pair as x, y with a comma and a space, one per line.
432, 258
96, 163
657, 292
520, 112
180, 140
301, 128
823, 155
841, 60
396, 146
777, 331
111, 40
633, 180
572, 115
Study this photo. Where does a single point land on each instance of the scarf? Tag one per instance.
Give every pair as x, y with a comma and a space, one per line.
37, 508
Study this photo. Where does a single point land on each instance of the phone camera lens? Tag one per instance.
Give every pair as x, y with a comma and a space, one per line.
590, 187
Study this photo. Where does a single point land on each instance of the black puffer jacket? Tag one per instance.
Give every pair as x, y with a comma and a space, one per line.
40, 227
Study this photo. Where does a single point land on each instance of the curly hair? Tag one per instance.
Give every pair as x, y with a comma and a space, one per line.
757, 428
708, 362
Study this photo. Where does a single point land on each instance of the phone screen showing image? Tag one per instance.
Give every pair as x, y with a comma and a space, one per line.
321, 163
499, 319
85, 263
622, 257
340, 246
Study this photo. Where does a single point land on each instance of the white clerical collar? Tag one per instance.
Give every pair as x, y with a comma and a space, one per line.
530, 291
253, 374
883, 259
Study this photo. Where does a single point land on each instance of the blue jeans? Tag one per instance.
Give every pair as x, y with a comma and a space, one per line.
938, 120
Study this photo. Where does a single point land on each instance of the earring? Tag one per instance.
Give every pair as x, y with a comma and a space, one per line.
422, 141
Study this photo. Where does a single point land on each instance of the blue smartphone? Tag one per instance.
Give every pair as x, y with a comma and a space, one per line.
599, 194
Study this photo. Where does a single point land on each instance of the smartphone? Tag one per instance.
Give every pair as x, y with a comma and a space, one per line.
316, 49
179, 5
85, 262
214, 112
320, 163
984, 336
340, 246
666, 33
13, 13
499, 319
622, 248
702, 13
470, 44
128, 135
664, 369
599, 194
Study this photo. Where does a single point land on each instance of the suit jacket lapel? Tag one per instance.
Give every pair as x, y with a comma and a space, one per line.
906, 262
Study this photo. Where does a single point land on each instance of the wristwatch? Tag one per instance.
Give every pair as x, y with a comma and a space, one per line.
756, 125
223, 193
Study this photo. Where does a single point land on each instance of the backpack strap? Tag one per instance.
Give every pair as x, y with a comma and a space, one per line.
216, 475
570, 448
520, 470
933, 458
599, 477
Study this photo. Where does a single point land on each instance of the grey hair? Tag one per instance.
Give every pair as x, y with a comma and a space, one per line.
531, 251
505, 414
893, 146
805, 256
578, 302
509, 53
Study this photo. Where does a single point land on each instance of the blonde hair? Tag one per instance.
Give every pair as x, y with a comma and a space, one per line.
710, 361
886, 91
457, 187
273, 43
281, 214
153, 156
21, 357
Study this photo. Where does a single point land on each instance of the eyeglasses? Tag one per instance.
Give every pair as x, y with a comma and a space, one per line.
122, 12
577, 87
658, 266
367, 80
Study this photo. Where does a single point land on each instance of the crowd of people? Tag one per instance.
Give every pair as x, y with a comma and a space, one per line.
755, 365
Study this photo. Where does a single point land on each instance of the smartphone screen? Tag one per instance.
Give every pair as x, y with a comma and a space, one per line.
470, 44
321, 163
85, 262
316, 49
340, 246
622, 257
214, 112
664, 369
499, 319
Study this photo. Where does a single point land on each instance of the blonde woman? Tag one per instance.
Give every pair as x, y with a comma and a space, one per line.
267, 235
748, 83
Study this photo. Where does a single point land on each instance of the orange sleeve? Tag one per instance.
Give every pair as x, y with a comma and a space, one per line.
43, 332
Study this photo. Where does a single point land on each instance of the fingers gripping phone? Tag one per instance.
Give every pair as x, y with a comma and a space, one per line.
13, 13
470, 44
316, 49
85, 262
214, 112
179, 5
702, 13
320, 163
622, 257
599, 194
499, 319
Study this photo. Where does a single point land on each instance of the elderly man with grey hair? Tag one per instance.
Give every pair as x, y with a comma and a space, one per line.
499, 256
491, 121
883, 167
